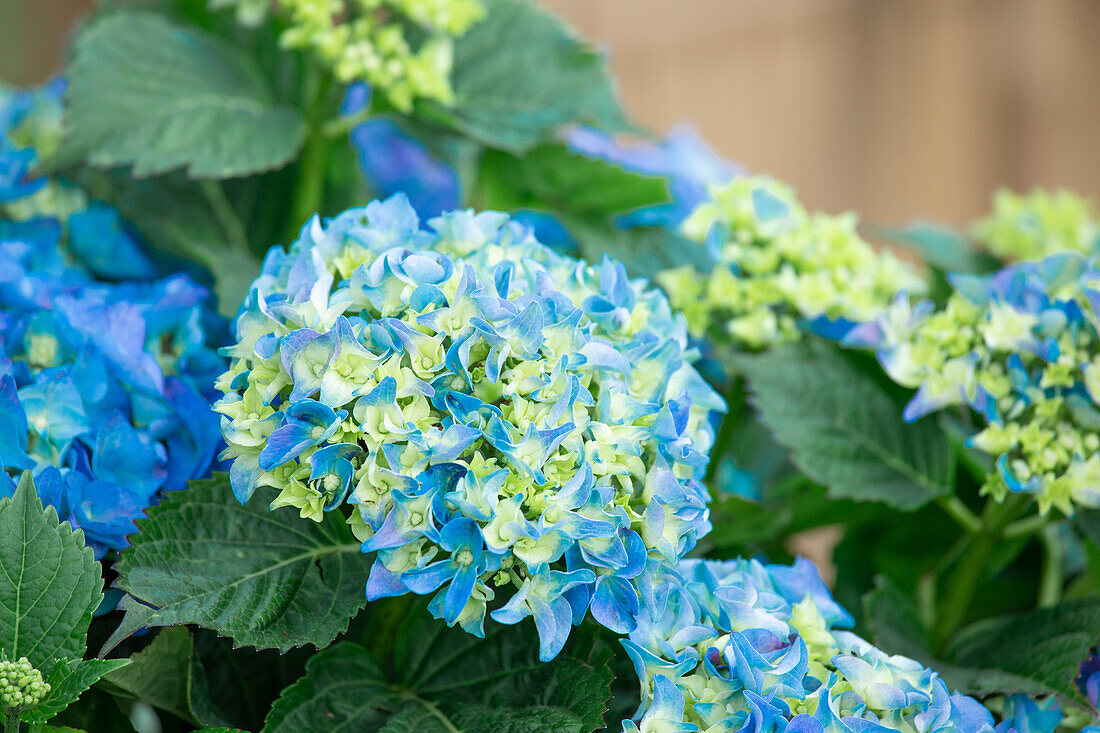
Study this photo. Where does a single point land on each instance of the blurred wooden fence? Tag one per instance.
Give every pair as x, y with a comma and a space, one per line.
895, 108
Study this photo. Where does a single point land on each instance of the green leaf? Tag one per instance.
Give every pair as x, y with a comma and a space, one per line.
1038, 652
894, 622
200, 678
441, 680
50, 582
939, 245
552, 178
268, 579
842, 420
148, 93
68, 680
521, 74
644, 250
160, 674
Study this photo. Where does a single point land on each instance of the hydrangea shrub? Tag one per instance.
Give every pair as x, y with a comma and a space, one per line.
439, 422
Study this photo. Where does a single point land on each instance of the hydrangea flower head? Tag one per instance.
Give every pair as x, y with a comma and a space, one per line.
779, 268
1019, 347
365, 40
105, 381
1041, 223
494, 418
740, 645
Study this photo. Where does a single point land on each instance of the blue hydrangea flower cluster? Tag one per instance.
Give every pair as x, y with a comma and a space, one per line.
1088, 679
492, 416
105, 381
1020, 347
743, 646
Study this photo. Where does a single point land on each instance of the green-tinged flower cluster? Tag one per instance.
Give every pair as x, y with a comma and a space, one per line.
1034, 225
779, 269
366, 40
21, 685
1020, 347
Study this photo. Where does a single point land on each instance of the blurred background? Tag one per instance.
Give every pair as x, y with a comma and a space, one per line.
900, 109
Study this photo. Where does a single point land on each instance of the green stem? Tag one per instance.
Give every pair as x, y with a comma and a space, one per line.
971, 567
1026, 526
958, 511
1051, 580
11, 723
310, 187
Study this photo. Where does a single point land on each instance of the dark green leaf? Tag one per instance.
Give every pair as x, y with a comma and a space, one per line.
161, 673
158, 96
68, 680
1036, 652
97, 712
843, 422
268, 579
441, 679
239, 685
552, 178
50, 581
644, 250
521, 74
894, 622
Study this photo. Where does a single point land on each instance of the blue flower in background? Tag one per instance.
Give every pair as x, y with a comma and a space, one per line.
107, 366
682, 157
498, 418
394, 161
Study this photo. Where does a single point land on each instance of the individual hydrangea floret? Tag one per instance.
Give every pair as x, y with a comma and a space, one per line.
492, 416
1020, 347
779, 269
740, 645
21, 685
371, 40
1041, 223
106, 372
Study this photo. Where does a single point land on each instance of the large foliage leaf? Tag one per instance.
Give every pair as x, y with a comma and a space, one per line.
520, 74
199, 678
148, 93
897, 629
440, 680
160, 674
268, 579
550, 177
843, 422
1036, 652
50, 582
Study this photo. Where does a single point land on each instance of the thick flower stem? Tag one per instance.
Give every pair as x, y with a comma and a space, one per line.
309, 188
11, 723
971, 567
1052, 579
